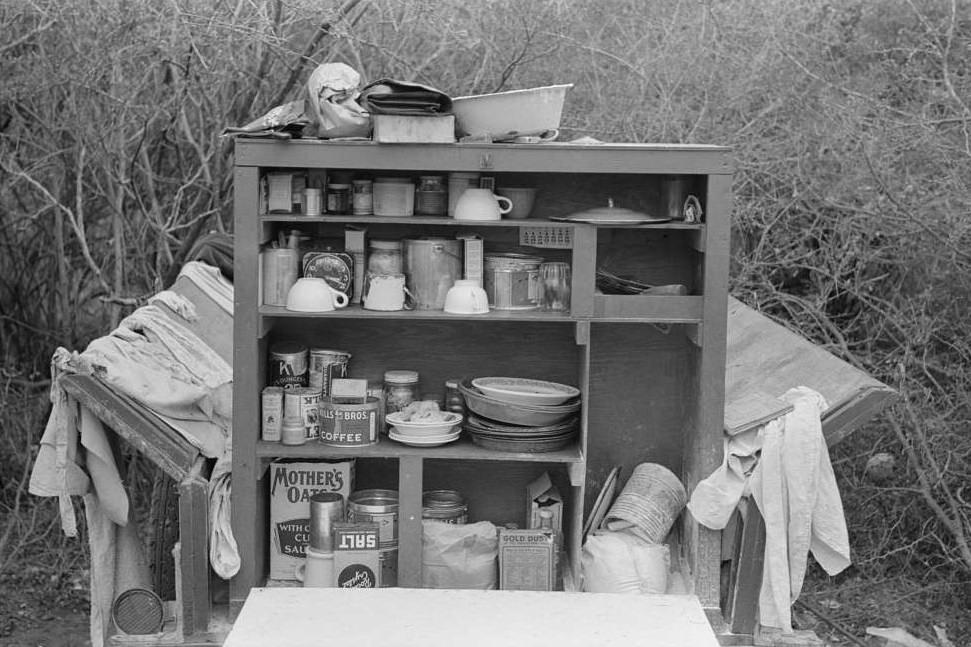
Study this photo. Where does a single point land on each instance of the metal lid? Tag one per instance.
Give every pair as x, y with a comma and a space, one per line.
287, 348
401, 377
512, 261
385, 244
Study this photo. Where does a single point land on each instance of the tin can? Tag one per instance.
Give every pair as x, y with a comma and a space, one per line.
304, 403
338, 198
444, 505
389, 566
271, 402
362, 197
312, 202
287, 365
512, 281
326, 508
348, 425
325, 365
376, 506
293, 432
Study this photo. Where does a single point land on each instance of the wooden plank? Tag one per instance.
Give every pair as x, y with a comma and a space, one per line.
437, 618
550, 157
584, 266
247, 383
194, 558
410, 479
146, 433
765, 356
746, 580
645, 307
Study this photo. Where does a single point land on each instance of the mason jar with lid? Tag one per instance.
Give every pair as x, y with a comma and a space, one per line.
384, 257
444, 505
400, 390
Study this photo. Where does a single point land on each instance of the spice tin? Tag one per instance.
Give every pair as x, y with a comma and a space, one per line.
304, 402
325, 365
337, 268
271, 402
512, 281
378, 506
287, 365
348, 425
362, 197
444, 505
312, 202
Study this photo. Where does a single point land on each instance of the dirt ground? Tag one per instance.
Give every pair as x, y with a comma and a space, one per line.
38, 611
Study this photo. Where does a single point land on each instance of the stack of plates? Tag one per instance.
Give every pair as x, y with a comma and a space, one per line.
521, 415
424, 433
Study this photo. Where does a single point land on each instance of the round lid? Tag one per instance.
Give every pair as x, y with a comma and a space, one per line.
514, 261
287, 348
401, 377
385, 244
611, 214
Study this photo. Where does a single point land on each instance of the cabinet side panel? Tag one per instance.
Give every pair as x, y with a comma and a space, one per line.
245, 497
703, 440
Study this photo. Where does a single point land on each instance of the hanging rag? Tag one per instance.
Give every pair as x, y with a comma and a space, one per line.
785, 466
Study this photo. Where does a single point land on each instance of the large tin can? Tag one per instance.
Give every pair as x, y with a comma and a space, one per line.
512, 281
444, 505
376, 506
325, 365
349, 424
287, 366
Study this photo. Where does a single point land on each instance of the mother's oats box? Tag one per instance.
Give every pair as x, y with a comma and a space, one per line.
291, 486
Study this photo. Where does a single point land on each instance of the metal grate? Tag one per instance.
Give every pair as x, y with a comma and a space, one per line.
138, 612
551, 237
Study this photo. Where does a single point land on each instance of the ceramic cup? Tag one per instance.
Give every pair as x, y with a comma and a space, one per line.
386, 292
317, 570
481, 204
314, 294
522, 200
466, 297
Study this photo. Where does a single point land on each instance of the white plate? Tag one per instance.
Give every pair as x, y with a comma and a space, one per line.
521, 390
641, 219
424, 441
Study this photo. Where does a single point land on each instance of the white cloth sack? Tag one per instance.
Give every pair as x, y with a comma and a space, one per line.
622, 562
459, 556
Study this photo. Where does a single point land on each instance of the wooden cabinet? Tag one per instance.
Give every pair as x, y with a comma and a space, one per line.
651, 368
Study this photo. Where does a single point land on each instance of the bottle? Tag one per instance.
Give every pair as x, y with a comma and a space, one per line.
293, 432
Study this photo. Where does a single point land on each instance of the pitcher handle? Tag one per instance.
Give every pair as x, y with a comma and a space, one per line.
549, 135
500, 199
340, 299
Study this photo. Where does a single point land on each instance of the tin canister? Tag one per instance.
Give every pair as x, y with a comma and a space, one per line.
362, 197
325, 365
349, 425
444, 505
376, 506
304, 402
512, 281
389, 566
337, 268
271, 410
287, 365
326, 509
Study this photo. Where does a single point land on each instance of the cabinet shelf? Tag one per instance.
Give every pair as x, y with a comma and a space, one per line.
445, 221
462, 449
357, 312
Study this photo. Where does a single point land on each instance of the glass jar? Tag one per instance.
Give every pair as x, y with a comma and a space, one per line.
384, 257
400, 390
338, 198
454, 401
447, 506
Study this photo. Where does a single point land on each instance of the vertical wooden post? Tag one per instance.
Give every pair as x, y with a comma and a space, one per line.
409, 521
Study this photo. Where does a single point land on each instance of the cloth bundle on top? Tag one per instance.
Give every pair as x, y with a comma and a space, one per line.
169, 370
394, 97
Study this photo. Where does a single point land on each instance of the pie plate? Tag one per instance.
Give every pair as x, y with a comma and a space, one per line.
521, 390
611, 215
425, 441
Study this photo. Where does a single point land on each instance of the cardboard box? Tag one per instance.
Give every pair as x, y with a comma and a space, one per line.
291, 486
473, 255
541, 494
527, 560
408, 129
357, 556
